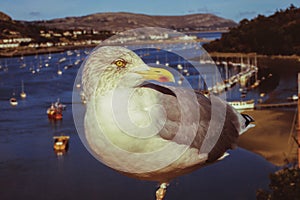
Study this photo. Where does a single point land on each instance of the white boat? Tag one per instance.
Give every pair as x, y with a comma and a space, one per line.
23, 94
63, 59
293, 98
76, 62
59, 72
242, 105
59, 105
13, 101
82, 97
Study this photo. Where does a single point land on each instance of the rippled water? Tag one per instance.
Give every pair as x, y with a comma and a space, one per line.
29, 168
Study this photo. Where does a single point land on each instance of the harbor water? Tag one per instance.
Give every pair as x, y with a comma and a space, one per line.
30, 169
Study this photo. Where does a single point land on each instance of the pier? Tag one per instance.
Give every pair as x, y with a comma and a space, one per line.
276, 105
247, 68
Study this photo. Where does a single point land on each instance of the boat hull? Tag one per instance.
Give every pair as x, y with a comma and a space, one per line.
13, 102
54, 114
61, 144
242, 105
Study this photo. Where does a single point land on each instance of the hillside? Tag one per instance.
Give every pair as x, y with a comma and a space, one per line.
10, 28
31, 37
277, 34
4, 17
124, 21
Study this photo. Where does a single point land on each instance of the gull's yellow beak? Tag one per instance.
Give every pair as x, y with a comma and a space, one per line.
157, 74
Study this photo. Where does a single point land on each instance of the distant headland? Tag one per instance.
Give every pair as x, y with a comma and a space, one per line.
30, 37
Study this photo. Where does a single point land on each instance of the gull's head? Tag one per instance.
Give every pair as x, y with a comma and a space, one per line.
111, 67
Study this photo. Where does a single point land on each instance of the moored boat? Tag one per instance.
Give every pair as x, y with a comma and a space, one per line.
242, 105
23, 94
54, 112
61, 143
59, 72
13, 101
294, 97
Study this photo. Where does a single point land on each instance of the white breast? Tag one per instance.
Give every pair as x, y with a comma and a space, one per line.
122, 130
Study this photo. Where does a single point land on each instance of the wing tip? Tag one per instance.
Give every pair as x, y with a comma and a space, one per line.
248, 119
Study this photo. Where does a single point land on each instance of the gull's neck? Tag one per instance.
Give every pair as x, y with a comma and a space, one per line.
109, 81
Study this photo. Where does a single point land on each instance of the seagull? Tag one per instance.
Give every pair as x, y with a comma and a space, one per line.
140, 124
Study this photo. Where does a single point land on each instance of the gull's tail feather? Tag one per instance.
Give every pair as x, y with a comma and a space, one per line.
247, 125
248, 119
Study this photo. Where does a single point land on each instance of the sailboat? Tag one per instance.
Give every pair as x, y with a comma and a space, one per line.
54, 112
257, 82
59, 72
13, 101
23, 94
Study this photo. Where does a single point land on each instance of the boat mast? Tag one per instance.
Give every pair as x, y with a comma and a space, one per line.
256, 67
298, 128
22, 86
22, 94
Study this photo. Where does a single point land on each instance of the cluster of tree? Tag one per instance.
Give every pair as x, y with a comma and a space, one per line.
284, 184
277, 34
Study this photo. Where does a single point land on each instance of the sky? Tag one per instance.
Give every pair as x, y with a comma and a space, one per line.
236, 10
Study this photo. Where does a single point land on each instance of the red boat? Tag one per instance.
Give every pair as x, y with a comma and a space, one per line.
54, 113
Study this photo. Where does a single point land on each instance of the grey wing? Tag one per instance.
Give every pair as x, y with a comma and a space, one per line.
218, 126
228, 132
181, 109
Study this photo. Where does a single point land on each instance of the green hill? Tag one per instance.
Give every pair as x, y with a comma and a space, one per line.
278, 34
17, 29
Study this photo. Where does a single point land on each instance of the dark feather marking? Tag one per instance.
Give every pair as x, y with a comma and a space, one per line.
159, 88
248, 119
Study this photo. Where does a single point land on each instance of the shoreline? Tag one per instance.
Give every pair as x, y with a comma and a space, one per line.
15, 52
34, 51
253, 54
21, 51
272, 136
24, 51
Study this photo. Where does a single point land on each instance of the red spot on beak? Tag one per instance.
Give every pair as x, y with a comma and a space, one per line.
163, 79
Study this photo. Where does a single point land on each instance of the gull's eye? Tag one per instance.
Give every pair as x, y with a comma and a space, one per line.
120, 63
